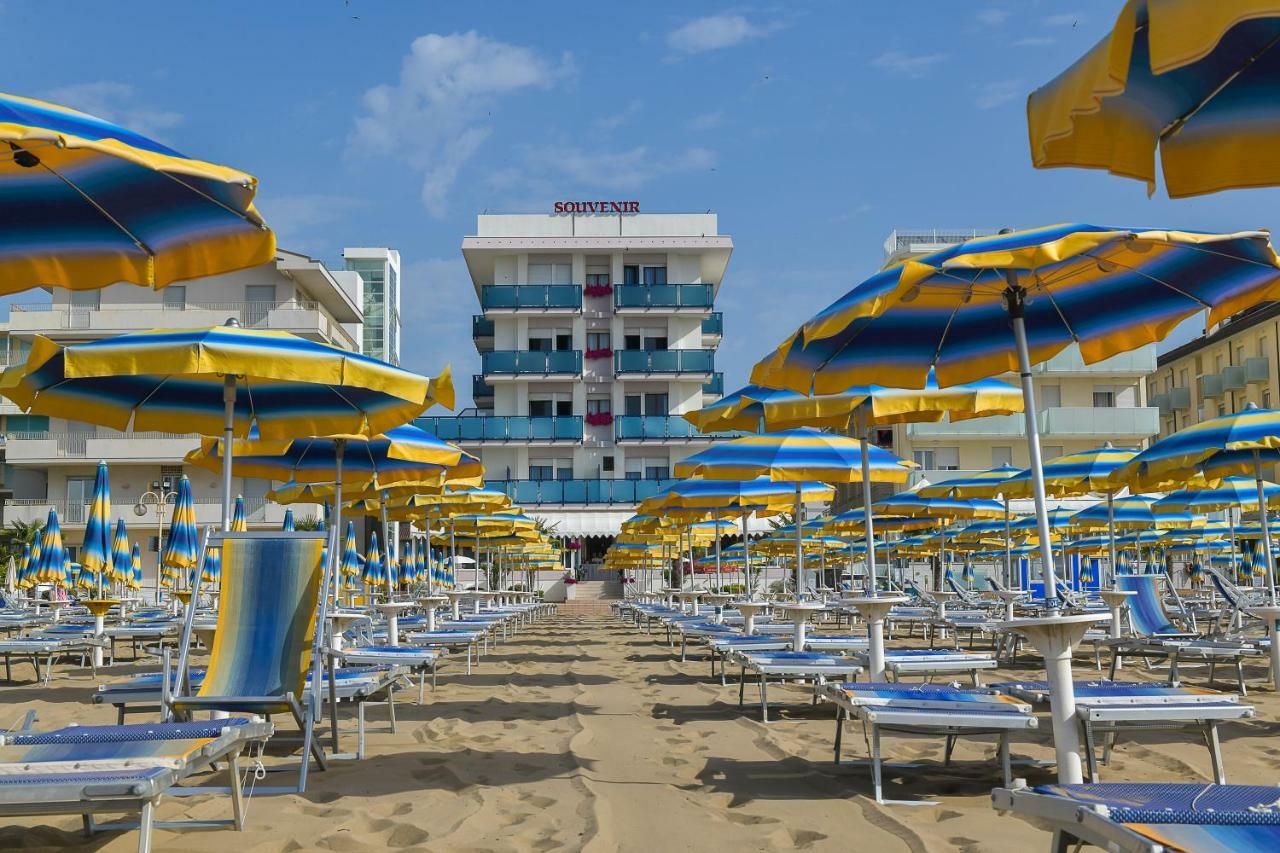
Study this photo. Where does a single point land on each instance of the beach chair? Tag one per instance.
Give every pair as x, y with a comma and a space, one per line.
810, 666
1110, 708
92, 770
927, 709
1156, 637
1238, 600
268, 637
928, 663
967, 597
1146, 817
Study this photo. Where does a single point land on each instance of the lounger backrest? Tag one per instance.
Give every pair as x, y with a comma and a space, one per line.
1146, 608
267, 614
1226, 589
963, 594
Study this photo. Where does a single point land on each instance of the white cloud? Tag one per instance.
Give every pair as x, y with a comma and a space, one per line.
1033, 41
1064, 19
715, 32
619, 170
115, 102
296, 218
997, 93
621, 117
993, 17
707, 121
902, 64
434, 117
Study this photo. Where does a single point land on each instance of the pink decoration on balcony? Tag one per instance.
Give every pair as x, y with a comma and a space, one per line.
598, 289
603, 352
599, 418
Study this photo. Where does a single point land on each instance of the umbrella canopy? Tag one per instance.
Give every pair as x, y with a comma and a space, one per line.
1135, 512
375, 571
51, 567
1230, 492
135, 563
95, 554
1085, 472
182, 546
727, 494
85, 203
794, 456
121, 557
1196, 80
239, 522
1216, 448
288, 525
350, 565
912, 504
211, 570
983, 484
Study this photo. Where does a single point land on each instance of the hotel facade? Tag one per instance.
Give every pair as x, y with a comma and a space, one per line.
596, 331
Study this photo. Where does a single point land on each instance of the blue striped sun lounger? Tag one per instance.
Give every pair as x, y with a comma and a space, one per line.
931, 662
453, 640
1150, 817
48, 646
1110, 708
89, 770
810, 666
416, 659
927, 709
722, 646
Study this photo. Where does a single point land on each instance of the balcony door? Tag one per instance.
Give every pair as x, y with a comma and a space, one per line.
259, 299
79, 493
550, 274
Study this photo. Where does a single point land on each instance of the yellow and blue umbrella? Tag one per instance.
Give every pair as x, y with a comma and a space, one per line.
135, 563
121, 571
182, 545
375, 571
966, 572
95, 554
1195, 79
350, 565
29, 577
794, 456
239, 521
728, 494
1134, 512
51, 565
1228, 493
420, 559
288, 524
85, 203
24, 566
211, 569
983, 484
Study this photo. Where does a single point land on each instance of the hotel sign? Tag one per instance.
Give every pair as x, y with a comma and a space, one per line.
597, 207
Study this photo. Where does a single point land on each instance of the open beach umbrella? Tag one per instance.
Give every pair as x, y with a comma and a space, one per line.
1231, 494
121, 570
182, 545
220, 380
288, 524
1196, 80
85, 203
239, 521
95, 554
982, 484
50, 568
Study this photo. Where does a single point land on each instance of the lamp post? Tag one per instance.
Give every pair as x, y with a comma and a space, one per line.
161, 495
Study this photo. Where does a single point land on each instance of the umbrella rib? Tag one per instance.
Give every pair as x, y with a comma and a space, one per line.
1152, 278
212, 200
1177, 124
102, 210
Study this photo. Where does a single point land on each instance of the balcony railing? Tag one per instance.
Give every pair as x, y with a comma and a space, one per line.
90, 444
531, 362
662, 428
999, 426
531, 297
664, 361
715, 386
1138, 362
480, 389
208, 511
1100, 423
294, 315
714, 324
500, 428
535, 492
663, 296
481, 326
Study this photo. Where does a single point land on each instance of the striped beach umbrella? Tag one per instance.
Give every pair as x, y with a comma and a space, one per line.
182, 545
1134, 512
966, 572
1228, 493
24, 566
983, 484
37, 547
350, 564
87, 203
420, 549
1194, 80
239, 521
288, 524
121, 560
211, 569
51, 566
375, 571
95, 554
135, 563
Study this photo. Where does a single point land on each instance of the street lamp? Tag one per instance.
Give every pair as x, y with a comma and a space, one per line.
161, 495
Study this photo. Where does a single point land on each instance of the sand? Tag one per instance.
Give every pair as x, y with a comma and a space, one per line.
583, 734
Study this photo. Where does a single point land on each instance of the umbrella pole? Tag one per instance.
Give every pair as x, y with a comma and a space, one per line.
1008, 549
1266, 533
228, 437
799, 543
867, 514
1111, 539
746, 560
340, 447
390, 558
719, 585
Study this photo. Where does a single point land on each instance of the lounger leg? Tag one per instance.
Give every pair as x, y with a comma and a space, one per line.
1215, 752
1115, 664
875, 763
1090, 751
1244, 691
86, 820
947, 749
764, 698
144, 826
742, 684
469, 659
1174, 681
333, 702
840, 713
360, 731
237, 794
391, 707
683, 644
1006, 763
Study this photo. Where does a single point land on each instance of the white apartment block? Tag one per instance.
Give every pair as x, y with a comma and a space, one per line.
51, 462
596, 332
379, 270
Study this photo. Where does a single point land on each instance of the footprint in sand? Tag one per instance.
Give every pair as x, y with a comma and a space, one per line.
538, 802
749, 819
796, 839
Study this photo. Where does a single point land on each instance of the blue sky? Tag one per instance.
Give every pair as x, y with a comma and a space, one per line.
812, 129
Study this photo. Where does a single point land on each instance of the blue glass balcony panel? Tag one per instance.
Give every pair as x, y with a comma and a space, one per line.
713, 325
535, 492
663, 296
477, 428
538, 297
657, 428
481, 326
514, 362
664, 361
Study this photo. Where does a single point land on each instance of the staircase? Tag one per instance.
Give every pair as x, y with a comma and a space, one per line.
592, 597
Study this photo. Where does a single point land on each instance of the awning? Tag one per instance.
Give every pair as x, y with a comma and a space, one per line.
599, 524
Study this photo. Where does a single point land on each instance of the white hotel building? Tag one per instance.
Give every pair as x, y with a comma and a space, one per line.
596, 332
51, 462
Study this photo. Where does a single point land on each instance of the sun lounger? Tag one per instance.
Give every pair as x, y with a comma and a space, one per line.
452, 640
1146, 817
415, 659
724, 646
1109, 708
268, 635
931, 662
49, 645
927, 709
90, 770
812, 666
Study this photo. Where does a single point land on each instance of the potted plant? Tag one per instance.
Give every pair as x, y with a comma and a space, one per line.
602, 352
599, 418
598, 289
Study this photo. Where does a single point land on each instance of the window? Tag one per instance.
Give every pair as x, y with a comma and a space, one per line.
261, 298
550, 273
599, 405
564, 408
541, 472
1104, 397
541, 341
606, 464
27, 423
1051, 451
597, 279
1183, 378
79, 493
883, 438
655, 343
655, 275
597, 340
1001, 455
633, 405
924, 458
87, 300
540, 408
564, 342
1262, 345
1240, 354
655, 404
1050, 395
648, 469
175, 297
631, 341
631, 274
657, 472
1266, 398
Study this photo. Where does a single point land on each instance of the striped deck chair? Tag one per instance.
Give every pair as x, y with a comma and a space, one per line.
1147, 817
268, 637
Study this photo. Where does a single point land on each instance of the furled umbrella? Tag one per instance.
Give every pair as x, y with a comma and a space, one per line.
95, 554
1196, 80
182, 545
135, 562
51, 566
288, 525
375, 571
121, 571
239, 520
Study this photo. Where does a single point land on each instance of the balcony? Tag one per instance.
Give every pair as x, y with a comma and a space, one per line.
663, 297
509, 363
996, 426
668, 361
53, 447
1211, 386
1099, 424
1180, 398
714, 387
1138, 362
1163, 404
579, 492
1233, 378
208, 511
481, 327
482, 429
540, 298
636, 429
480, 390
304, 318
1257, 371
713, 326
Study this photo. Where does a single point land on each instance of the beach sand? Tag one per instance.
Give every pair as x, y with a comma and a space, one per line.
581, 733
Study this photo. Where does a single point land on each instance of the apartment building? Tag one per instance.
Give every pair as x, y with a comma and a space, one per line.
596, 331
51, 462
379, 271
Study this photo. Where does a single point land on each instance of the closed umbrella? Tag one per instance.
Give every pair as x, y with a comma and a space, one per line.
239, 522
95, 554
135, 578
182, 545
51, 566
375, 572
121, 558
288, 524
